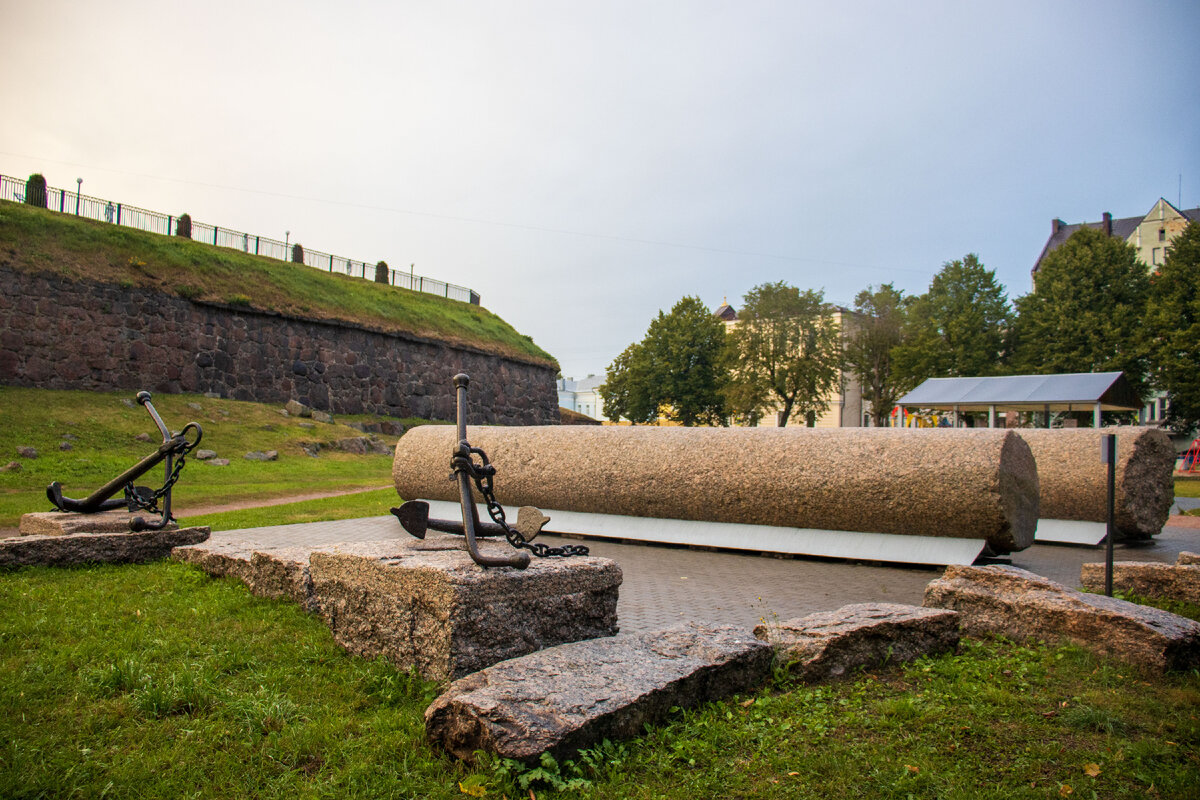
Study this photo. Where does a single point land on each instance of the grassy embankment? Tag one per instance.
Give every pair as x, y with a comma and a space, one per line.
101, 431
156, 681
37, 240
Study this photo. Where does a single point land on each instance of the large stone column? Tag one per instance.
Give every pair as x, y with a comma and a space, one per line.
975, 484
1074, 483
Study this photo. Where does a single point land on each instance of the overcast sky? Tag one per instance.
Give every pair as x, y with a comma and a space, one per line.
584, 165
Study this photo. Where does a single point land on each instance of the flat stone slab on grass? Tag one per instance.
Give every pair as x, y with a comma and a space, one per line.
65, 523
575, 695
1021, 605
832, 644
96, 548
434, 609
1187, 557
1149, 579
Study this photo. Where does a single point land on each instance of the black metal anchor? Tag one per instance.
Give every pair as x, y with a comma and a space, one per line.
137, 497
414, 514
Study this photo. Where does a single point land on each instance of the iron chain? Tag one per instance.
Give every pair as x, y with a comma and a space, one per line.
133, 497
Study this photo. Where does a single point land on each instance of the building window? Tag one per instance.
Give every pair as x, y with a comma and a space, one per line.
1155, 257
1162, 234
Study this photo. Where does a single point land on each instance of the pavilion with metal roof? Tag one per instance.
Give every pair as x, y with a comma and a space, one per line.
1081, 391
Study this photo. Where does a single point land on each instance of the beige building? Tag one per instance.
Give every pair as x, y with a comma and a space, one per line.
846, 408
1149, 234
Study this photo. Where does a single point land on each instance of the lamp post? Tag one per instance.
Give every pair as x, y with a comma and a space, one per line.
286, 235
78, 190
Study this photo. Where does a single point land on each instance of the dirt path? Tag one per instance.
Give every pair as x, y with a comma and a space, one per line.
216, 508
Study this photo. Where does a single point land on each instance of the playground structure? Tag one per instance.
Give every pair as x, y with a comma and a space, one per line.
1191, 458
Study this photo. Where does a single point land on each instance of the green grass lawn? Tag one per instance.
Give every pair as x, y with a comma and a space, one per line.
38, 240
101, 430
158, 681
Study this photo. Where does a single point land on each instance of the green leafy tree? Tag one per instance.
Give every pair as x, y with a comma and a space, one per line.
871, 341
785, 352
627, 392
1173, 329
1086, 311
957, 328
678, 369
35, 190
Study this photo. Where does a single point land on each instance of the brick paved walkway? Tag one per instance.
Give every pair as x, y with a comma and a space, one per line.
665, 585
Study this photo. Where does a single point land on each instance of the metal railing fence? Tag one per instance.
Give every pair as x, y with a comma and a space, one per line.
75, 203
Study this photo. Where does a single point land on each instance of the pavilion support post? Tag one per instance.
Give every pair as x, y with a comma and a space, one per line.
1096, 416
954, 418
991, 416
1047, 415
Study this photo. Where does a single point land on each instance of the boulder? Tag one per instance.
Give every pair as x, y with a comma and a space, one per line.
322, 416
575, 695
205, 455
1021, 605
95, 548
1148, 579
65, 523
973, 484
832, 644
1187, 557
1074, 482
257, 455
27, 452
297, 409
431, 607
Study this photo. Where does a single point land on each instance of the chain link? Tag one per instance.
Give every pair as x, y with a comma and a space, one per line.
483, 481
134, 498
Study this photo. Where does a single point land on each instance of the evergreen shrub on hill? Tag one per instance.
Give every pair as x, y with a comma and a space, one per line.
381, 272
297, 254
183, 227
35, 190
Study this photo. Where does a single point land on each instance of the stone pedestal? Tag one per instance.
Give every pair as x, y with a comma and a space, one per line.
436, 610
96, 548
65, 523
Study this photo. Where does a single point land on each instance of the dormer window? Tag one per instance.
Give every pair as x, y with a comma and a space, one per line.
1162, 234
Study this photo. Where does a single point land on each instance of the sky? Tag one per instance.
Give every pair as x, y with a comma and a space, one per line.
584, 165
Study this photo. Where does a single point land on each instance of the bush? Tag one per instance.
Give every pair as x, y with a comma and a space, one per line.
381, 272
184, 226
35, 190
297, 254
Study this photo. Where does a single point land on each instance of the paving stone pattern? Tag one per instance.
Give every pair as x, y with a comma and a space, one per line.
664, 586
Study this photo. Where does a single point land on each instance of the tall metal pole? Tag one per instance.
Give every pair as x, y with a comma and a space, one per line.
78, 194
1110, 453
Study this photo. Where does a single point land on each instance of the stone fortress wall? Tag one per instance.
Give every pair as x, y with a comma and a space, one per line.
61, 334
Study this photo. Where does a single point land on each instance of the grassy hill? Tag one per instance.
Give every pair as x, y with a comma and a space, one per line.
40, 241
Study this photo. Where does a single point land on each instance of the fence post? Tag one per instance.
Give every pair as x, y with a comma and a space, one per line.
62, 200
255, 245
118, 213
170, 224
215, 229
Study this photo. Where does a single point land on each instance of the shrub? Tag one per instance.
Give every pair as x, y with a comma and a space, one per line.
184, 226
35, 190
381, 272
297, 254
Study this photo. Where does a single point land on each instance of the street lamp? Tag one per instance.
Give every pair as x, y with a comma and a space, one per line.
78, 189
286, 235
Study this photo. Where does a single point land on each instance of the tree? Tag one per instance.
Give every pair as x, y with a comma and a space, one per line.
381, 272
297, 253
869, 348
785, 351
1086, 311
956, 329
1173, 329
678, 369
627, 392
183, 226
35, 190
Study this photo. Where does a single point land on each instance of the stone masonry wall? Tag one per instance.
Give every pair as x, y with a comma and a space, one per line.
60, 334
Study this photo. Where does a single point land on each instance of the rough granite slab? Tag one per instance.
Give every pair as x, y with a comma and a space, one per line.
436, 610
1021, 605
225, 559
1074, 482
1149, 579
96, 548
832, 644
973, 484
65, 523
1187, 557
572, 696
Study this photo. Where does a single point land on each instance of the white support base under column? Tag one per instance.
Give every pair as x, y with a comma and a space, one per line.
856, 545
1070, 531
